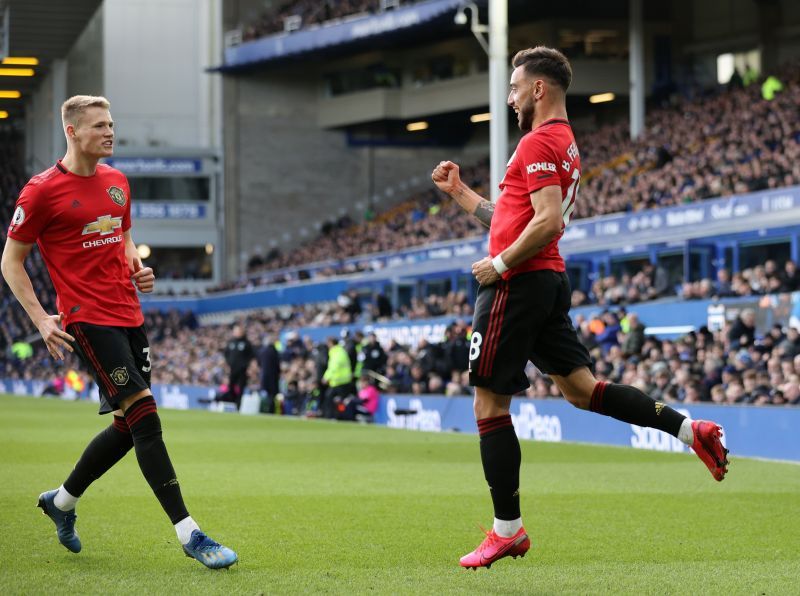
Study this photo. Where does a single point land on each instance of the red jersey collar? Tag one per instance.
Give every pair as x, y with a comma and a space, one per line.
60, 167
553, 121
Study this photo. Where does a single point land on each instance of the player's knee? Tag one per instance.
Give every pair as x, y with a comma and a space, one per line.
578, 399
489, 405
477, 407
484, 409
144, 423
130, 400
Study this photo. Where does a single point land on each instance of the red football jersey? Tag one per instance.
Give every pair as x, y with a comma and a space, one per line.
78, 223
545, 156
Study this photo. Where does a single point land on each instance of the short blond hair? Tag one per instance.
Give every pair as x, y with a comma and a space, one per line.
75, 106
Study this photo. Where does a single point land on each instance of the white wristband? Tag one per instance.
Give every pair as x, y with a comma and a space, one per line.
499, 265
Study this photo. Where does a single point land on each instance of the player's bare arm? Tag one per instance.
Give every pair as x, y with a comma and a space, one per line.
143, 277
540, 231
447, 178
13, 268
484, 212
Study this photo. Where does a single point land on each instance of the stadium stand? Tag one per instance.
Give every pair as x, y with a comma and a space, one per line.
16, 326
650, 284
699, 367
423, 218
298, 14
693, 150
732, 365
725, 143
718, 144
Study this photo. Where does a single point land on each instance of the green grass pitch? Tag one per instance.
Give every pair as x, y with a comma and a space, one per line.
318, 507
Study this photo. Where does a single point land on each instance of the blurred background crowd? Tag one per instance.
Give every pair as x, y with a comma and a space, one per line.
730, 365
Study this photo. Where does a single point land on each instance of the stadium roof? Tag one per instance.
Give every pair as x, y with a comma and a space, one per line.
414, 22
43, 29
361, 31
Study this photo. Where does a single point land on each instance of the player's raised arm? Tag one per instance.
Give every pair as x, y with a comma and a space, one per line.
13, 268
447, 178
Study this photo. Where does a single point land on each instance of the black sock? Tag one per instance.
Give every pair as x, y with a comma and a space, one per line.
501, 457
153, 458
106, 449
628, 404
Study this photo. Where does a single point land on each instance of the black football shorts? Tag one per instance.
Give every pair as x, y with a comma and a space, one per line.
524, 318
117, 357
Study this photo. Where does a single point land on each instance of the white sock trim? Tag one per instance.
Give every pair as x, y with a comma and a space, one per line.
507, 528
184, 529
65, 501
685, 433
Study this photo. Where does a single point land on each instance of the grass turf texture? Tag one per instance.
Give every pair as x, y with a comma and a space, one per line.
312, 506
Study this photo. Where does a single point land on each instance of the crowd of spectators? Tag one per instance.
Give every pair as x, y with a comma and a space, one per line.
715, 145
769, 278
731, 365
192, 354
651, 282
15, 322
305, 13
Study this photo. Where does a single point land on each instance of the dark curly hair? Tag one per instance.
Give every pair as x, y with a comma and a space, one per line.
547, 62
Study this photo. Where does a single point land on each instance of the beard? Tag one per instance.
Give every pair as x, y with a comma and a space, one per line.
525, 119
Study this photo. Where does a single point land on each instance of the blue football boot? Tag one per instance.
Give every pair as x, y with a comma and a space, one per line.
64, 521
211, 554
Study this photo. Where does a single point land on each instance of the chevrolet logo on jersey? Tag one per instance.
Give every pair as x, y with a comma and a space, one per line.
104, 225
